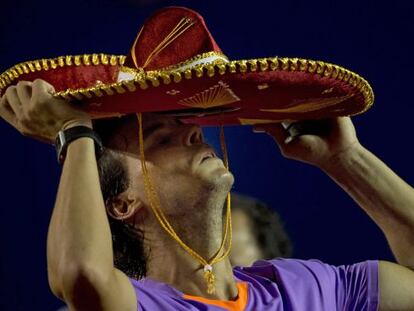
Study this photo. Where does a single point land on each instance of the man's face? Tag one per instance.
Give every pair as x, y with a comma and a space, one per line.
181, 166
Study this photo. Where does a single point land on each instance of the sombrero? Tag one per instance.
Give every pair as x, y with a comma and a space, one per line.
176, 67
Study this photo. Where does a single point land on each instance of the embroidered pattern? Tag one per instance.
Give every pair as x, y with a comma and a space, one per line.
312, 105
217, 95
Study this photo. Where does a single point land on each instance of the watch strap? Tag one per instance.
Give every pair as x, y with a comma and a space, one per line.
65, 137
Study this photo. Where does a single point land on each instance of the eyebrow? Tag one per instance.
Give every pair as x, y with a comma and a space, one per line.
153, 128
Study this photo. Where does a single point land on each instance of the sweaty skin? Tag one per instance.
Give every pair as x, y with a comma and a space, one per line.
80, 259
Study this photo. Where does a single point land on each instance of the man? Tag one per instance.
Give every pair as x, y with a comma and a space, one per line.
192, 184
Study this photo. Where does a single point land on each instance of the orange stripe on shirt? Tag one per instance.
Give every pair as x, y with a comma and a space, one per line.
232, 305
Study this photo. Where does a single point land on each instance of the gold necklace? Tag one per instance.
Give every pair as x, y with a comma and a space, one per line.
156, 208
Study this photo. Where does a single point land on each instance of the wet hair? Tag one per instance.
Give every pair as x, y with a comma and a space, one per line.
268, 229
127, 241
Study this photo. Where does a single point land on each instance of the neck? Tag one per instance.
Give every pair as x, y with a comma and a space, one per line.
204, 235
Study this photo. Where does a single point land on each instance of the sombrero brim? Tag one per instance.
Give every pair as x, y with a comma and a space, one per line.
254, 91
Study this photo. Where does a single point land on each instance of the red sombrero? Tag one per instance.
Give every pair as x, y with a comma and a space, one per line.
176, 67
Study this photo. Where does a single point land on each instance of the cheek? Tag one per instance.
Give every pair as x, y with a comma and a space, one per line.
169, 160
171, 183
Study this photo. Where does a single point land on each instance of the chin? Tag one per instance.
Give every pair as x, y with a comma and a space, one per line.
220, 179
215, 176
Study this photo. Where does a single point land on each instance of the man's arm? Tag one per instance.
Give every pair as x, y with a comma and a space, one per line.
80, 262
386, 198
80, 258
389, 201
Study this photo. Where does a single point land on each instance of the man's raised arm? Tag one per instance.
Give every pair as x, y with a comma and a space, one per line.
384, 196
389, 201
79, 248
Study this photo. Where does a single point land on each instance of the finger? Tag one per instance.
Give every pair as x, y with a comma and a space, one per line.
14, 102
6, 112
24, 92
275, 130
340, 123
41, 91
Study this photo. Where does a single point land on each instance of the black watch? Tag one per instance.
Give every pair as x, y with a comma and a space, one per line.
65, 137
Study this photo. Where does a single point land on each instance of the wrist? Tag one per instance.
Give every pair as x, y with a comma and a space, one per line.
74, 132
343, 159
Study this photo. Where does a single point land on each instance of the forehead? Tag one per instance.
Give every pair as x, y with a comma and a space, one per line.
149, 119
128, 125
123, 133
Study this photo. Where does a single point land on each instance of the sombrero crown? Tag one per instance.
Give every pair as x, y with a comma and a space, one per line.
176, 67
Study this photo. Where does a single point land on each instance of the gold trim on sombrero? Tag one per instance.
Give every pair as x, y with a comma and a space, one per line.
165, 76
211, 58
7, 77
156, 77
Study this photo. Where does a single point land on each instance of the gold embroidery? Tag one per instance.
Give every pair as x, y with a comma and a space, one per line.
262, 86
173, 92
138, 73
244, 121
234, 67
314, 105
327, 91
217, 95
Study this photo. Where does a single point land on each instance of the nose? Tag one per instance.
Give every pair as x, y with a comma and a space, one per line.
193, 135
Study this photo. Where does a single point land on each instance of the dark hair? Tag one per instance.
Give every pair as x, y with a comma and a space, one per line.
268, 228
127, 242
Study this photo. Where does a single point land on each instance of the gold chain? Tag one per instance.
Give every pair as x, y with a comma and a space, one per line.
156, 208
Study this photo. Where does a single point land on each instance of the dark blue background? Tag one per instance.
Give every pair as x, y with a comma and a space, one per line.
368, 37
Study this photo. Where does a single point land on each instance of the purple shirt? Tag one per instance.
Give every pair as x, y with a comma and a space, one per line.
281, 284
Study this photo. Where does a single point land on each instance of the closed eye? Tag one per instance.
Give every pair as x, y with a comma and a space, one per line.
162, 136
164, 140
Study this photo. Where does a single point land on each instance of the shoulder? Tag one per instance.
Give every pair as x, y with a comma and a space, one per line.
340, 286
290, 270
311, 268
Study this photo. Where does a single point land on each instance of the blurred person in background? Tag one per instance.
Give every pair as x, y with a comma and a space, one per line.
258, 232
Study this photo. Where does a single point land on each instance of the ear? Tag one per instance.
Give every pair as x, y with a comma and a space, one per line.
126, 206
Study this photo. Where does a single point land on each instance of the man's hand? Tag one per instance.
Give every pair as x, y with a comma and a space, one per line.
31, 108
318, 150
